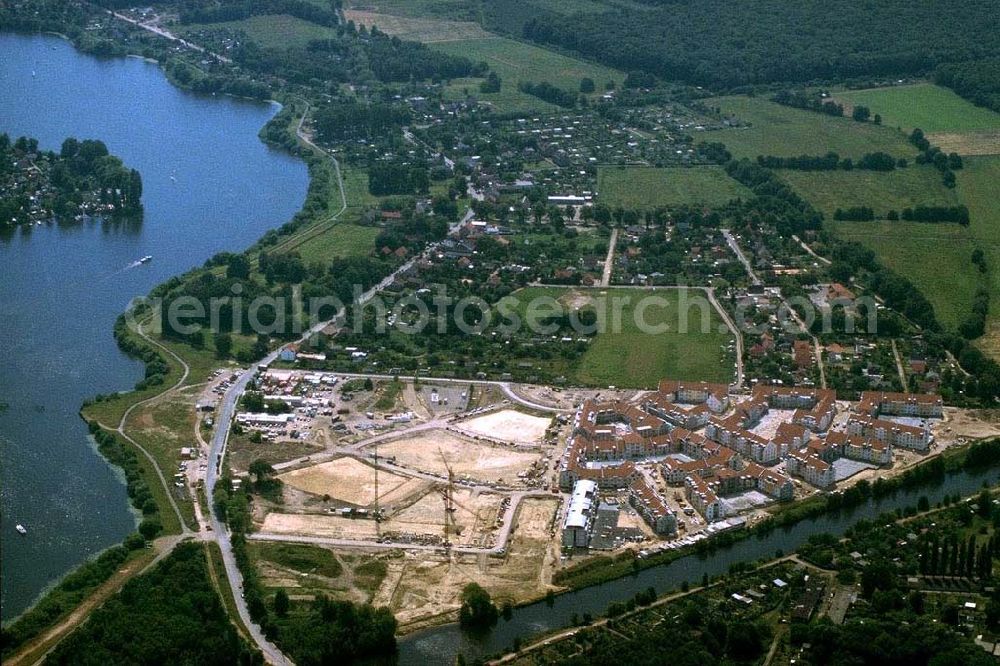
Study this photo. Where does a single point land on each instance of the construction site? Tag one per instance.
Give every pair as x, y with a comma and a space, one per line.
419, 489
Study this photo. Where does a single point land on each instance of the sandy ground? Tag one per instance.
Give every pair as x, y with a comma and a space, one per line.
509, 425
473, 523
350, 480
422, 587
475, 518
971, 423
428, 451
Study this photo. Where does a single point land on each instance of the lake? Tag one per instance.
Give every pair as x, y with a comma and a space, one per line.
209, 185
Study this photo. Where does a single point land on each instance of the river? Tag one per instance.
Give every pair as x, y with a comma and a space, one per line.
441, 644
209, 185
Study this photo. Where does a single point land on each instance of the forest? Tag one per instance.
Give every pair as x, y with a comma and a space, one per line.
729, 45
184, 621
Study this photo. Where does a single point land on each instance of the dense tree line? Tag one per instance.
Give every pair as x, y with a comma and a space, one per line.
974, 324
352, 119
393, 59
900, 294
976, 80
933, 155
855, 214
726, 45
183, 621
549, 93
800, 100
956, 214
877, 161
220, 11
774, 198
394, 178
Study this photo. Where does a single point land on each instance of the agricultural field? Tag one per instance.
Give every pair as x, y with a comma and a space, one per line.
271, 31
515, 61
977, 188
340, 240
650, 187
429, 451
690, 345
916, 185
927, 106
417, 29
782, 131
936, 257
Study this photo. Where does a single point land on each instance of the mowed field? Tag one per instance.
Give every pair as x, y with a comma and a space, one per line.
417, 29
272, 31
650, 187
341, 240
935, 257
883, 191
925, 105
515, 61
784, 132
678, 342
979, 190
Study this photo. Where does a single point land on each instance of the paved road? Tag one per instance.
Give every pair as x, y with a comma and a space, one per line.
817, 348
609, 261
735, 247
166, 34
809, 250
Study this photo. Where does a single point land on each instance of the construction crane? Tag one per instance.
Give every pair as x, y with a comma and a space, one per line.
448, 495
378, 513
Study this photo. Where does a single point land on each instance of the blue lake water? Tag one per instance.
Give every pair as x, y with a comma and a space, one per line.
209, 185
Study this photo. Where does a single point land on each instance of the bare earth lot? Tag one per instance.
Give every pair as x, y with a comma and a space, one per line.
350, 480
468, 459
510, 425
419, 588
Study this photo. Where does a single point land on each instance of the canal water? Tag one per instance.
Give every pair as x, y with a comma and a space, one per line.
209, 185
441, 644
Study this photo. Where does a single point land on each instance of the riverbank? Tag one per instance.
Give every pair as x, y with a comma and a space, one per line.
555, 613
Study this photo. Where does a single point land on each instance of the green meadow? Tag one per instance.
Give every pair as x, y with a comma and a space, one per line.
650, 187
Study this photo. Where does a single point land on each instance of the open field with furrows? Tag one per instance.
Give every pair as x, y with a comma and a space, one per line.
510, 425
515, 61
271, 31
651, 187
924, 105
433, 451
936, 257
421, 586
350, 480
978, 189
916, 185
682, 336
785, 132
417, 29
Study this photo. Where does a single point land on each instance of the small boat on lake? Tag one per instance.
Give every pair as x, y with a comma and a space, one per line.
145, 260
20, 529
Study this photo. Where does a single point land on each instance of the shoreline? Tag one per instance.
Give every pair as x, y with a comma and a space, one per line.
124, 393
